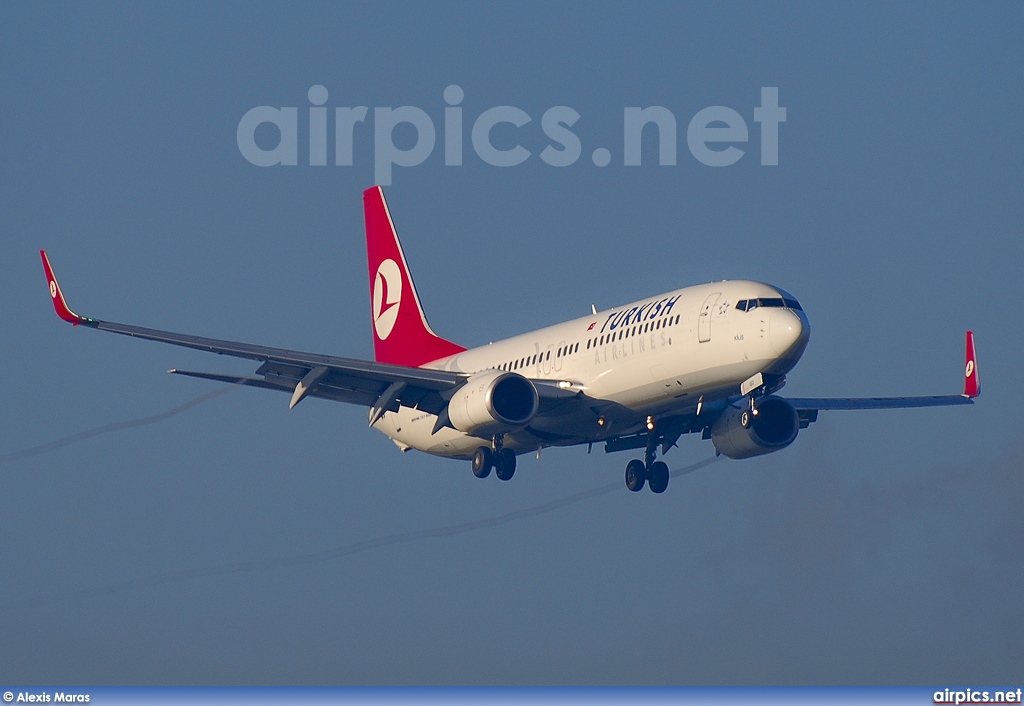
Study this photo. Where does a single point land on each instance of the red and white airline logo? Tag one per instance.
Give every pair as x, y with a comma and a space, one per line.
387, 296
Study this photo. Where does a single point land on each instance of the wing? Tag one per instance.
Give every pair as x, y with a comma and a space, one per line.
379, 385
808, 407
820, 403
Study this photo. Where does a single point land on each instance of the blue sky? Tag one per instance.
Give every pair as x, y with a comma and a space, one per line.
882, 547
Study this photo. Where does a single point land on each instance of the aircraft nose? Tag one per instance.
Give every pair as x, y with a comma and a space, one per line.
785, 330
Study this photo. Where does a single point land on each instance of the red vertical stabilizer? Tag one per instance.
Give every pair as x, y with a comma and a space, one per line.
401, 334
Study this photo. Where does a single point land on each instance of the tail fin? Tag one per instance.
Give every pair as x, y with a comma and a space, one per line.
401, 334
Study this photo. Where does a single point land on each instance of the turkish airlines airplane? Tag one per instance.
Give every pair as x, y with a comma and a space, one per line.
707, 359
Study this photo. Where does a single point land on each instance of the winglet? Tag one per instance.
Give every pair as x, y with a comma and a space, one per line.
59, 305
972, 383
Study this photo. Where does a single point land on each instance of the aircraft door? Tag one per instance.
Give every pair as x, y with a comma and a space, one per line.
704, 319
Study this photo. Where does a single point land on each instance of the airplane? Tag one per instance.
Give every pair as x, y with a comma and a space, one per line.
706, 359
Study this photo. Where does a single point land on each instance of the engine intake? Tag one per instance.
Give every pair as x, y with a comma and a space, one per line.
493, 402
774, 427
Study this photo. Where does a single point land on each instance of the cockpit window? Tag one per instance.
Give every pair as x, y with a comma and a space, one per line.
772, 302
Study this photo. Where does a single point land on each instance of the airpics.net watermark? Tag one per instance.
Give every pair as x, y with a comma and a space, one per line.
711, 135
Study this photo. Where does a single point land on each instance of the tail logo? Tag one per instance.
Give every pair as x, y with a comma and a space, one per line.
970, 368
387, 296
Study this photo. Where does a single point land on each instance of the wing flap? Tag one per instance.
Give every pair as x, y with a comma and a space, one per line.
361, 369
321, 390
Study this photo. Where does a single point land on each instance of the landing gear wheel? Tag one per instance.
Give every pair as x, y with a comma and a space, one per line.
483, 459
636, 475
505, 464
658, 480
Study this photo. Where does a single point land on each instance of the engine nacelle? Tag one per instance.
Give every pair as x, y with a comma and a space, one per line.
774, 427
493, 402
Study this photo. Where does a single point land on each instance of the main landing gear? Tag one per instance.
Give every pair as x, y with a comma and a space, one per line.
654, 473
501, 459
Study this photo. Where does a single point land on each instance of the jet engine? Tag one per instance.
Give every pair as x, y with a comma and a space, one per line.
740, 434
493, 402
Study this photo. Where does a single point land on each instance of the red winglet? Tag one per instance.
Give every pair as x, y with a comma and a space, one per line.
972, 383
59, 305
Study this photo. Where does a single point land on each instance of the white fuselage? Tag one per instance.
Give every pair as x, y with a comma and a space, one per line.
652, 357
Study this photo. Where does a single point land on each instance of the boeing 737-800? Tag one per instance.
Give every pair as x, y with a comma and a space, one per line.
707, 359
